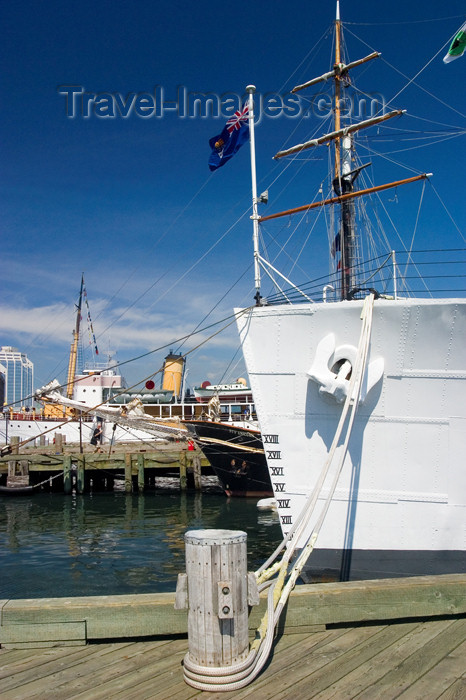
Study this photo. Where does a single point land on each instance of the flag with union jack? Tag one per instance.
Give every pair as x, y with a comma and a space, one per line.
235, 133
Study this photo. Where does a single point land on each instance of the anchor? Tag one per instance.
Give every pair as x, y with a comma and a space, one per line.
332, 369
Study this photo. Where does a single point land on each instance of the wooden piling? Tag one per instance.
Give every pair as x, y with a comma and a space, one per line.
140, 473
197, 472
58, 438
128, 474
80, 484
66, 473
183, 471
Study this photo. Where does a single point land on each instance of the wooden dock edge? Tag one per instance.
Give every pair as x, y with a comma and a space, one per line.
42, 622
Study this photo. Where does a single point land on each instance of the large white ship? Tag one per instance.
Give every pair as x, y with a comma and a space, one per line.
361, 400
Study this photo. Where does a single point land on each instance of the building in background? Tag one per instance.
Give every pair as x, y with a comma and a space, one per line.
19, 378
2, 384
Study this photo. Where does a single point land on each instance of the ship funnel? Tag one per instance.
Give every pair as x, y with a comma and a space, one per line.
173, 372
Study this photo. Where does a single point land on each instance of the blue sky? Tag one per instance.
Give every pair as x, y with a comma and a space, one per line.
131, 202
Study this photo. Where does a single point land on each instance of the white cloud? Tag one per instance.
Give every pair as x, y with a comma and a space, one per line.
52, 321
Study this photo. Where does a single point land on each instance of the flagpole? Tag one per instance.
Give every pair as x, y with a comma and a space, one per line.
251, 89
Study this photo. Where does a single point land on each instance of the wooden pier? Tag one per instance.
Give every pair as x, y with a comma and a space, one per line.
393, 638
66, 468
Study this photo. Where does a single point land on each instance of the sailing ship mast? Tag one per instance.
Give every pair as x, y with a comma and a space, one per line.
343, 180
74, 346
344, 175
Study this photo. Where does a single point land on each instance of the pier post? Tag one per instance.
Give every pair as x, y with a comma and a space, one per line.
11, 478
197, 472
18, 471
216, 597
183, 470
58, 439
140, 473
14, 444
66, 474
128, 474
81, 474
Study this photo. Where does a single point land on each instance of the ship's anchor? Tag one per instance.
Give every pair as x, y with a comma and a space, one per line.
332, 369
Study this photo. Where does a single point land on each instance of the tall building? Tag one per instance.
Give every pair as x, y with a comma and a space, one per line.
19, 377
2, 384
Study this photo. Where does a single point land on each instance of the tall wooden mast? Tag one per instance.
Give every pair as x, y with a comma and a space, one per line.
74, 346
344, 174
337, 78
344, 178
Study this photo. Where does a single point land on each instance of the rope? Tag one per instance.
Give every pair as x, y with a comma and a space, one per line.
48, 480
241, 674
238, 446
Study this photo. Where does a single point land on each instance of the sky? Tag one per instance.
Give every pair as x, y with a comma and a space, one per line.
125, 196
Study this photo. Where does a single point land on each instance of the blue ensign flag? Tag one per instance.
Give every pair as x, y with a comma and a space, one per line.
235, 133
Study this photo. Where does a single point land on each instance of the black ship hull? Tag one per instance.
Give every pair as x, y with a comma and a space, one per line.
237, 457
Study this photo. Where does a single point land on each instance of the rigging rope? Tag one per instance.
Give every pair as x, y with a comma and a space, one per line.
411, 80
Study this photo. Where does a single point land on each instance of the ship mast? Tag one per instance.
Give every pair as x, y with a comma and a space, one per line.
337, 78
344, 178
74, 346
344, 174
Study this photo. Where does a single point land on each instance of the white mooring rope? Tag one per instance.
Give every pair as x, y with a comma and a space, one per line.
239, 675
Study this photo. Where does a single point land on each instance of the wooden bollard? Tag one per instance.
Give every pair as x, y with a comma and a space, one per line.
216, 589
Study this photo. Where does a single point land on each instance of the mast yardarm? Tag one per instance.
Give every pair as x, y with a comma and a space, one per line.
341, 69
344, 197
337, 134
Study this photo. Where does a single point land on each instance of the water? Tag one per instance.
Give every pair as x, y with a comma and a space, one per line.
53, 545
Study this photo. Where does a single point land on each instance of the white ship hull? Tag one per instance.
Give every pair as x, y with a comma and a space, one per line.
32, 430
402, 491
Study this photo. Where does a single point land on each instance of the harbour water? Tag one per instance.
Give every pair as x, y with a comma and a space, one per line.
52, 545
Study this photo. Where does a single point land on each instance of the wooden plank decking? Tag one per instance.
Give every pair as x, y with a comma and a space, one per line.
364, 639
409, 660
